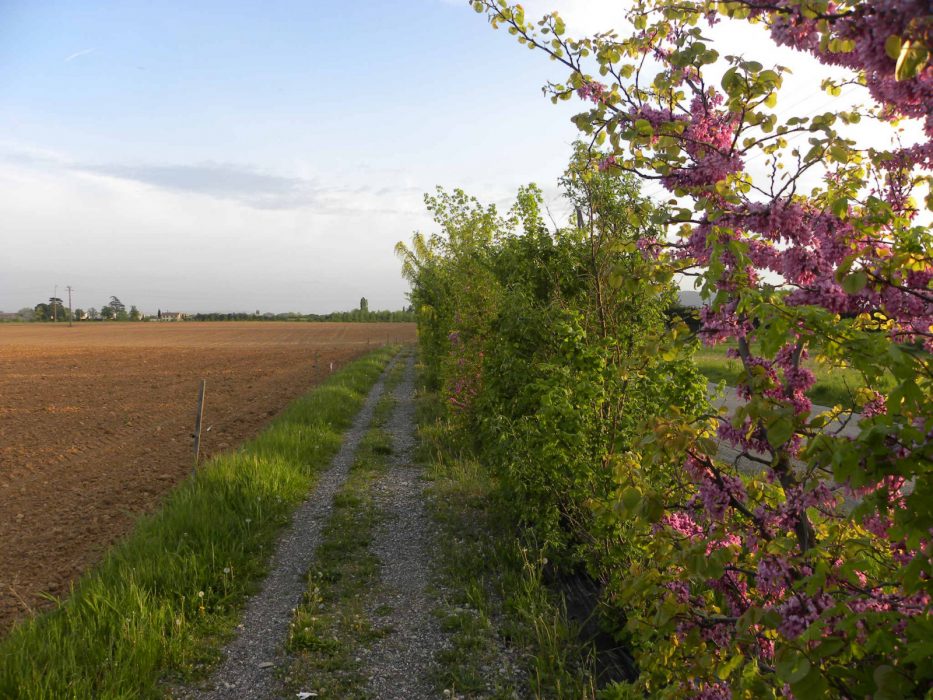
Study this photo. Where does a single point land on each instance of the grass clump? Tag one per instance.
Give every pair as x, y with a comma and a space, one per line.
163, 601
509, 633
332, 624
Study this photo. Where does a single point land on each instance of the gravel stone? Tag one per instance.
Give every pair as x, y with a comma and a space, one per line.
399, 663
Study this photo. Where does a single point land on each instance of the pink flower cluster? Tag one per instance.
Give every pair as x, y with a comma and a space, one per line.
680, 590
806, 246
799, 611
773, 576
868, 25
708, 140
607, 163
682, 524
713, 691
717, 494
749, 436
722, 324
592, 91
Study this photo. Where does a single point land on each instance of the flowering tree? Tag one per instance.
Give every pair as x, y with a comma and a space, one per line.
808, 573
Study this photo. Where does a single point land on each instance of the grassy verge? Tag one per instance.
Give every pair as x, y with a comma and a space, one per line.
509, 636
331, 625
161, 604
834, 385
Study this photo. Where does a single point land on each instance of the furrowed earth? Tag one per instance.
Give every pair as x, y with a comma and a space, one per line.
96, 426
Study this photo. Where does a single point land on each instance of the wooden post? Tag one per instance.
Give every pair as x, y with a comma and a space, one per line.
197, 424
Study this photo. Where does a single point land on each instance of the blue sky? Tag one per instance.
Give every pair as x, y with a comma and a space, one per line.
238, 156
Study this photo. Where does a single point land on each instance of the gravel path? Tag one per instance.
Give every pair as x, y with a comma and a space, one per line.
248, 669
399, 663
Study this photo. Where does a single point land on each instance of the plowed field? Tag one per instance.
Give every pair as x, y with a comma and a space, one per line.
96, 423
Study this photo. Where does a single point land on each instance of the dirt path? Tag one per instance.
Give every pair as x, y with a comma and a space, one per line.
398, 665
250, 661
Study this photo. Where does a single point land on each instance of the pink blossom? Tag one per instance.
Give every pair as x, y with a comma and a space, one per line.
798, 612
714, 691
592, 91
773, 575
682, 524
607, 163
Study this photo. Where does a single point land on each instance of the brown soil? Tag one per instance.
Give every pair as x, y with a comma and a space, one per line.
96, 423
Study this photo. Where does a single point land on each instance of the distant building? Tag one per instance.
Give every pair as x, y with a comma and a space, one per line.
170, 316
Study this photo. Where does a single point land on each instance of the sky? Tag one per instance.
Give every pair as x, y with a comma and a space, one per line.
242, 156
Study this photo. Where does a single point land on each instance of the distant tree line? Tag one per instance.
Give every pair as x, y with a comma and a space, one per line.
115, 310
360, 315
56, 310
356, 316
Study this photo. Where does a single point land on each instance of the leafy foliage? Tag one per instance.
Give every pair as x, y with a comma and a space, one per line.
809, 574
545, 345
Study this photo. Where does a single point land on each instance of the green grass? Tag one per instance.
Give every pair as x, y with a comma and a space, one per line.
331, 625
158, 608
509, 636
834, 385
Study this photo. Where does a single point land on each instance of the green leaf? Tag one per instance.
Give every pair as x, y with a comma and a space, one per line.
854, 283
643, 127
910, 62
840, 207
892, 46
724, 671
780, 431
631, 497
793, 667
731, 82
839, 153
891, 684
812, 685
617, 277
829, 647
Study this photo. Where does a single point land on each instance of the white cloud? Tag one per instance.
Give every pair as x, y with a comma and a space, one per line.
198, 242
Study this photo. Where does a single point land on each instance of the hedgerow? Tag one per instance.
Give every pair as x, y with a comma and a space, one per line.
544, 345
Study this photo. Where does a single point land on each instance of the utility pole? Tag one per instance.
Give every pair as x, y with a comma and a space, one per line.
71, 313
54, 311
